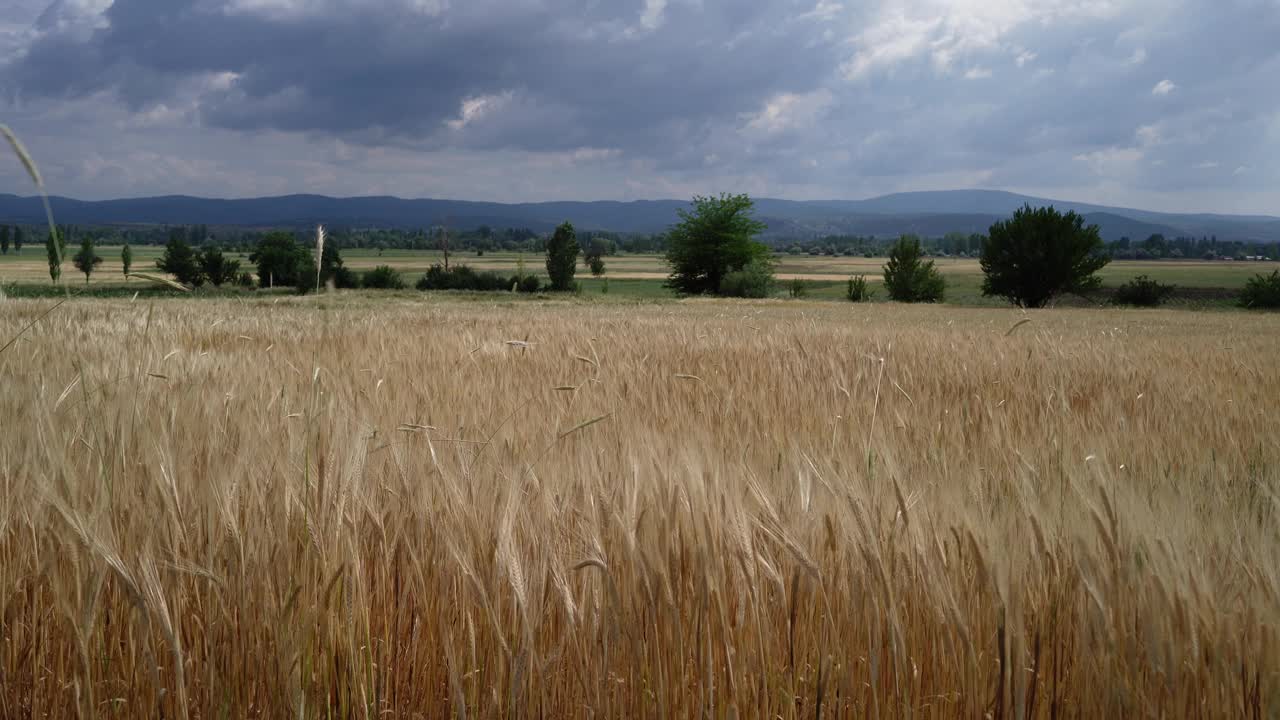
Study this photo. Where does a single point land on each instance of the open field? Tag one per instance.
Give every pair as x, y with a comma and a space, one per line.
356, 506
643, 274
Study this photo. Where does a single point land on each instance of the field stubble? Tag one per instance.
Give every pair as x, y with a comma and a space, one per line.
313, 508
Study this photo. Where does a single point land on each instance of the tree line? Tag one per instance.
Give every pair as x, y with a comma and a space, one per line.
1029, 259
1206, 247
484, 238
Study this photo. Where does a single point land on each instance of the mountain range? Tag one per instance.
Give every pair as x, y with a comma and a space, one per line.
932, 214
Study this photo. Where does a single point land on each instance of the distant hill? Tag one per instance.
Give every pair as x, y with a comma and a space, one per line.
925, 213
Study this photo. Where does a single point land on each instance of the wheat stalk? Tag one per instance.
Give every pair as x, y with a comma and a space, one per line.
319, 253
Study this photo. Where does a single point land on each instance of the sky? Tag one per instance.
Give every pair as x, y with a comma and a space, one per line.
1160, 104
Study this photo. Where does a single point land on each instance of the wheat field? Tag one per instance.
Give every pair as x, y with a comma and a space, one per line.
342, 507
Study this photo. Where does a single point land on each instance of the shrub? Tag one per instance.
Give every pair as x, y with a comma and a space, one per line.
245, 280
755, 280
345, 277
527, 284
797, 288
461, 277
857, 289
596, 263
383, 277
908, 277
1262, 291
1142, 291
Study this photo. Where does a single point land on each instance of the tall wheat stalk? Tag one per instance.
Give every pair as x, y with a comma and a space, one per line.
319, 254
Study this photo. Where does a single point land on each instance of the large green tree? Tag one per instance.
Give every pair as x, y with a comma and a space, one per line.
908, 277
4, 239
280, 260
18, 238
180, 261
88, 259
714, 239
562, 257
1039, 254
332, 269
216, 267
126, 259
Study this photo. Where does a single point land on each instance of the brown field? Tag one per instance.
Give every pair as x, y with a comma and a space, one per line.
346, 507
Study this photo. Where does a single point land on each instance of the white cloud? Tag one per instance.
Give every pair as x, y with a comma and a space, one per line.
480, 106
1149, 135
824, 10
591, 154
652, 17
945, 31
977, 73
1164, 87
788, 111
1112, 162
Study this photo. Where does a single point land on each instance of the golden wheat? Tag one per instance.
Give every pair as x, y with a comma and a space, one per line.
349, 508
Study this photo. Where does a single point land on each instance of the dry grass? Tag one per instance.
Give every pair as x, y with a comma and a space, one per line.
331, 508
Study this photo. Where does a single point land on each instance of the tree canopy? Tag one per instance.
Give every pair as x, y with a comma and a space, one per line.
180, 261
715, 239
217, 268
54, 246
87, 260
1039, 254
908, 277
280, 259
562, 257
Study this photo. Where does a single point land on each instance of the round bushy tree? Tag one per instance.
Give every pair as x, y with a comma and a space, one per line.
716, 239
1039, 254
280, 259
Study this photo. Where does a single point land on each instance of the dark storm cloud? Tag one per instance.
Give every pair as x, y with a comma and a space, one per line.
1157, 102
576, 74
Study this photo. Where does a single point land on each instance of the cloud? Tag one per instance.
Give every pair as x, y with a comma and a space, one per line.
789, 111
476, 108
538, 99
